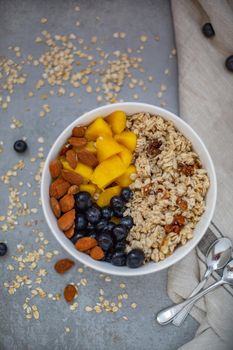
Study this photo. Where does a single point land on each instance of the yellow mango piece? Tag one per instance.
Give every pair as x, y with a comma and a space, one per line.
106, 147
117, 120
90, 188
90, 146
125, 155
84, 170
106, 195
127, 139
65, 164
98, 128
107, 171
115, 220
125, 180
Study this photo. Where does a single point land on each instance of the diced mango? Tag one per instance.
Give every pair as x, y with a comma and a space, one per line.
125, 180
115, 220
127, 139
90, 188
106, 195
125, 155
90, 146
65, 164
84, 170
106, 147
98, 128
117, 120
107, 171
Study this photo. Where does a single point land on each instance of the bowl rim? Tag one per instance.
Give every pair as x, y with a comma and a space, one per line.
194, 241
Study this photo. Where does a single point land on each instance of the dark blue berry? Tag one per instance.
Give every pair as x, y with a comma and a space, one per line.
77, 236
120, 246
102, 225
127, 221
208, 30
119, 232
83, 201
108, 257
119, 259
111, 226
3, 248
135, 258
80, 222
90, 227
20, 146
118, 212
229, 63
116, 202
105, 241
126, 194
93, 215
93, 234
107, 212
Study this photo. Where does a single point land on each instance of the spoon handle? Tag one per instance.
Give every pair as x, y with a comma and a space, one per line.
179, 319
167, 315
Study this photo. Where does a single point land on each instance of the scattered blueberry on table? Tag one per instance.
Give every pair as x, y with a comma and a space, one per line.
229, 63
208, 30
3, 249
20, 146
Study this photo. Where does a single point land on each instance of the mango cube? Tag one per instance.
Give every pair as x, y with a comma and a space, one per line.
106, 195
65, 164
98, 128
106, 147
107, 171
117, 120
81, 169
125, 155
90, 188
127, 139
125, 180
90, 146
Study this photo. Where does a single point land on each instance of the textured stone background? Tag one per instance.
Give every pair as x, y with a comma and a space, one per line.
19, 25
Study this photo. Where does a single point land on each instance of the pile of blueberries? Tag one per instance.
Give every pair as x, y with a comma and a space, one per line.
94, 221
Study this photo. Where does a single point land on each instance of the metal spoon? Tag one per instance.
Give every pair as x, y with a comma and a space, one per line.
218, 255
167, 315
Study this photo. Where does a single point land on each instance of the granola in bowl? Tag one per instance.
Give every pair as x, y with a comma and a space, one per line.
169, 188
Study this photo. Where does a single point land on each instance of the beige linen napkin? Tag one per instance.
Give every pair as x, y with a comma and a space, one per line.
206, 103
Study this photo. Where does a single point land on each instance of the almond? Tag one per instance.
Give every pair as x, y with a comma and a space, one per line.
55, 168
58, 188
87, 158
66, 220
69, 292
71, 158
78, 131
77, 141
55, 207
63, 265
72, 178
73, 189
97, 253
67, 203
69, 233
85, 243
64, 149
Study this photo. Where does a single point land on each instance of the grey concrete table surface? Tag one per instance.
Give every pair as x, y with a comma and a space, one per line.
19, 26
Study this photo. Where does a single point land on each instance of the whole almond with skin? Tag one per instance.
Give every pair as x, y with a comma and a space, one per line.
78, 131
87, 158
73, 189
71, 177
67, 203
69, 292
77, 141
71, 157
63, 265
55, 168
55, 207
85, 243
58, 188
66, 220
97, 253
69, 233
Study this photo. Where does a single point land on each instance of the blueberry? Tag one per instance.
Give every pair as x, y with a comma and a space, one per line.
229, 63
107, 213
116, 202
208, 30
20, 146
119, 232
118, 212
111, 226
83, 200
90, 227
93, 234
108, 257
78, 235
119, 259
135, 258
127, 221
80, 222
105, 241
126, 194
102, 226
3, 248
120, 246
93, 215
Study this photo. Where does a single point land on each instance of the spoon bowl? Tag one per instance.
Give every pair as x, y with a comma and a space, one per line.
219, 253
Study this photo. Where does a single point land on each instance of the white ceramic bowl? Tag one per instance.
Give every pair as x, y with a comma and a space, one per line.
179, 253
